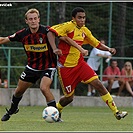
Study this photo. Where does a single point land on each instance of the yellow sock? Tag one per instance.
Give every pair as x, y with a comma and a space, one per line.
109, 101
59, 107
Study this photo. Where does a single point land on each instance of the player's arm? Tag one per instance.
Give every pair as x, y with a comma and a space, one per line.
90, 39
61, 31
73, 43
106, 48
4, 40
51, 39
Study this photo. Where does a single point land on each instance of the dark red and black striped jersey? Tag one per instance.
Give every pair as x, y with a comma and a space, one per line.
39, 52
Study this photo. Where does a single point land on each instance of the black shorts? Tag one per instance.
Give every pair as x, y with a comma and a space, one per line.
32, 76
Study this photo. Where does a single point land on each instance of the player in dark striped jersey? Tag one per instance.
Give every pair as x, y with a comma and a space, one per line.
41, 60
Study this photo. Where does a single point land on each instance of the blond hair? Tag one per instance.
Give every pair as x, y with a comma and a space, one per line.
32, 10
128, 73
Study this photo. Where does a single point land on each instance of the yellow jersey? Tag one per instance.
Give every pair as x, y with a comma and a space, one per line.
81, 35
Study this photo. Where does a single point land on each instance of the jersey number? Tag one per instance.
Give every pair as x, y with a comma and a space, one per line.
23, 75
68, 88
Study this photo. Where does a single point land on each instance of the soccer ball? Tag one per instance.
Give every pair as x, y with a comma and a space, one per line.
50, 114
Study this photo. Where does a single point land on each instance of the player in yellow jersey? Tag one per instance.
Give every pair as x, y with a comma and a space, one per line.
72, 68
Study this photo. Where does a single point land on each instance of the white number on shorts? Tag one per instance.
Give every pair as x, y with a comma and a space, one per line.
23, 75
68, 88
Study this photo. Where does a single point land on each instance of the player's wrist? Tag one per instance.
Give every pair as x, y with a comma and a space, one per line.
109, 49
55, 49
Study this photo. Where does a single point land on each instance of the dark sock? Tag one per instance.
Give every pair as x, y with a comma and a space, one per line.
14, 104
52, 103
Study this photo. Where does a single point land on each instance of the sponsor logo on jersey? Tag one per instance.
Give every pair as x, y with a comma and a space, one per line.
36, 48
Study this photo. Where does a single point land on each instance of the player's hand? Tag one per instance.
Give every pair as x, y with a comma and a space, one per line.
84, 52
112, 51
57, 51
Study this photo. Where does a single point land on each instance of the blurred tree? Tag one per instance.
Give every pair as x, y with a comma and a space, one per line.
60, 10
120, 36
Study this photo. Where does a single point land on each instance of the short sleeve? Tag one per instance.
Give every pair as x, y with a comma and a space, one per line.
89, 38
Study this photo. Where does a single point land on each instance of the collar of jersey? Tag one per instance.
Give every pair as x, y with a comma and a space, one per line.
76, 24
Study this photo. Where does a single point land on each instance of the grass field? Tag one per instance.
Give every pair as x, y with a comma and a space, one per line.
75, 119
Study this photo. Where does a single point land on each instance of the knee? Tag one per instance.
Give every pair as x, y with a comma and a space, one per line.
44, 88
121, 82
97, 83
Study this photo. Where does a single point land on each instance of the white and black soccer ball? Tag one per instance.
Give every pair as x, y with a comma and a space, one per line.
50, 114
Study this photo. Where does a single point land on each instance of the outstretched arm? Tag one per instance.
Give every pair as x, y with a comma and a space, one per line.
106, 48
73, 43
4, 40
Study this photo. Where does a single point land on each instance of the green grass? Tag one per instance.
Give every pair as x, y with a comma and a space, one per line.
75, 119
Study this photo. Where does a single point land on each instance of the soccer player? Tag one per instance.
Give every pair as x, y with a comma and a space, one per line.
72, 68
41, 60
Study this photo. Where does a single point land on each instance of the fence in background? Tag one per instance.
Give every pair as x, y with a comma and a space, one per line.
11, 71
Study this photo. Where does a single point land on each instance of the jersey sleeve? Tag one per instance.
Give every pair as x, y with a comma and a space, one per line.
46, 29
61, 29
90, 39
16, 36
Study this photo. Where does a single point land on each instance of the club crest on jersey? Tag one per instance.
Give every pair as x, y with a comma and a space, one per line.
36, 48
83, 35
40, 40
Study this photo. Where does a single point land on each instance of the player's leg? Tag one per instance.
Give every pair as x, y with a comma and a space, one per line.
63, 102
17, 96
105, 95
45, 88
27, 78
68, 80
46, 81
107, 98
89, 76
